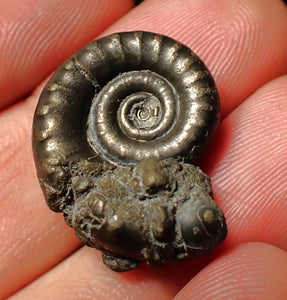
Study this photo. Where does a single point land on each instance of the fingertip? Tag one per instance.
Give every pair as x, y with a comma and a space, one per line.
249, 271
249, 178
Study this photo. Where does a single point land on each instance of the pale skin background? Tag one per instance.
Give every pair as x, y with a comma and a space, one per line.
244, 43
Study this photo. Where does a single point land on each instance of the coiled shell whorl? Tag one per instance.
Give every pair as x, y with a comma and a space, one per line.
152, 83
116, 105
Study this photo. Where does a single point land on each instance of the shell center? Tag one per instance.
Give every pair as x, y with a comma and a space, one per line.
140, 115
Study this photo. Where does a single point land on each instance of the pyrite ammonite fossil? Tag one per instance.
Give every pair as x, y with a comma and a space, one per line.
114, 135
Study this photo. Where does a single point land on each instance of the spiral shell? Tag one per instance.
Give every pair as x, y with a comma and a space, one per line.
107, 127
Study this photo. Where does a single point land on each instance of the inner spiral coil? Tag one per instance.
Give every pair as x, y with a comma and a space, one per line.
130, 112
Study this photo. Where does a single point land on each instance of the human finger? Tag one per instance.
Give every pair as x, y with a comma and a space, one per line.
84, 276
250, 271
247, 164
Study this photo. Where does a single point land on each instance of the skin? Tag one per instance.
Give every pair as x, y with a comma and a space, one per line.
244, 43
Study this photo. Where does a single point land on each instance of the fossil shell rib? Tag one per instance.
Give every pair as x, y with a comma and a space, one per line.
114, 133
